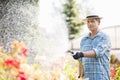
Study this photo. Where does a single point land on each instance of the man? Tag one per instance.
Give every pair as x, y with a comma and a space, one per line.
95, 51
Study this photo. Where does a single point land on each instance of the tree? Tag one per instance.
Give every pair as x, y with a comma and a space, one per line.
3, 4
72, 18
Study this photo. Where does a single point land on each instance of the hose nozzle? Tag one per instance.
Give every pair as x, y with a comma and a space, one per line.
69, 51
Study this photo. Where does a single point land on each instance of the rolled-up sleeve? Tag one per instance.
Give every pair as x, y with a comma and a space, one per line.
102, 47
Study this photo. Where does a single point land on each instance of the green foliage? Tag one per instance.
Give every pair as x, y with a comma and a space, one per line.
70, 71
4, 3
113, 59
72, 18
71, 68
117, 76
34, 1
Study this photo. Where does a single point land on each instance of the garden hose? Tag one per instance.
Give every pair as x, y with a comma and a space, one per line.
79, 61
81, 75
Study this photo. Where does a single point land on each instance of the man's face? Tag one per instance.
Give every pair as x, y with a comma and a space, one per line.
93, 24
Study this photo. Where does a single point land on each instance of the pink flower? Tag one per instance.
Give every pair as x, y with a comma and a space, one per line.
24, 51
21, 76
112, 72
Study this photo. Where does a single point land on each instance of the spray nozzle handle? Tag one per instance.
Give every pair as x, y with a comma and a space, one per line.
69, 51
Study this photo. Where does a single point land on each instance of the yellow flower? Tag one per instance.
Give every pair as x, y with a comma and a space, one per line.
16, 46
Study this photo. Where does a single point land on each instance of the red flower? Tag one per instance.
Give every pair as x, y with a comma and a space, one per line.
24, 51
21, 76
112, 72
12, 62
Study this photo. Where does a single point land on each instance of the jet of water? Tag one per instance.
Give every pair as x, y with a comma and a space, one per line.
44, 33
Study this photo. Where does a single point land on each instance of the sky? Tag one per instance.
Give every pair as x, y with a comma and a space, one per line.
108, 9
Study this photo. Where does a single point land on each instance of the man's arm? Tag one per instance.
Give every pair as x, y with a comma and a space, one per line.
89, 54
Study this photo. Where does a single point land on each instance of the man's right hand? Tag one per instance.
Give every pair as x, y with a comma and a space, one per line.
78, 55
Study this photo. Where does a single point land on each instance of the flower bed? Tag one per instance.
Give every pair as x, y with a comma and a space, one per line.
14, 66
115, 72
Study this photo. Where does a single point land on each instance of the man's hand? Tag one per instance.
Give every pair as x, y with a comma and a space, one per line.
78, 55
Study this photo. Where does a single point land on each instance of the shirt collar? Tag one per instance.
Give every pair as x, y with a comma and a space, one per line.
98, 34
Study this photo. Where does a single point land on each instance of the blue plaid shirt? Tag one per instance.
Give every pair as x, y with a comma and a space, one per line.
97, 68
